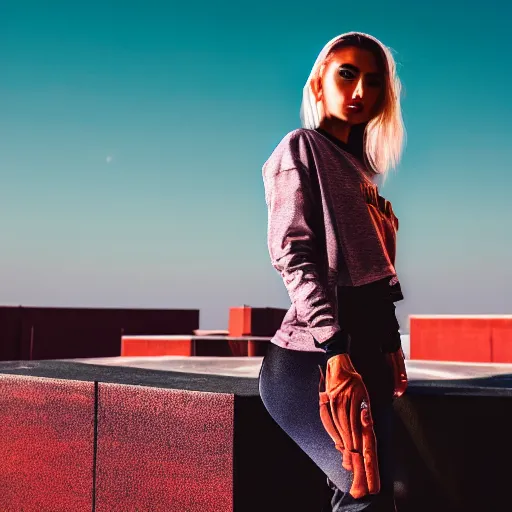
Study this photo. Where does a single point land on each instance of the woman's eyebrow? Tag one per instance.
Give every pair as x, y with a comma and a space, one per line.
355, 69
351, 67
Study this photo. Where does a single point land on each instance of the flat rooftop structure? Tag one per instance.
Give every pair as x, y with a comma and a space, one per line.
250, 366
191, 433
482, 379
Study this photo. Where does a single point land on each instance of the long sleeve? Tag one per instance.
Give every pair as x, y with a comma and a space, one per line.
292, 248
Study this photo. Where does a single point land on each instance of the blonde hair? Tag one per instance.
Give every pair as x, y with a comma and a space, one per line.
384, 135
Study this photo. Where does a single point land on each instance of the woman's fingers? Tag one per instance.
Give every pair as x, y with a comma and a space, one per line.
346, 415
366, 471
369, 441
347, 461
328, 423
340, 407
397, 363
359, 486
358, 396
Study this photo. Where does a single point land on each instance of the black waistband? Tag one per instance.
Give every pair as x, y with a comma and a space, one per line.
377, 291
368, 311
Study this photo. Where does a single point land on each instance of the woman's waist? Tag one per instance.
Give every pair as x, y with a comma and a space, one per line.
384, 290
368, 319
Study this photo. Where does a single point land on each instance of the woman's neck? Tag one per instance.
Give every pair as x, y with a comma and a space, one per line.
339, 130
354, 146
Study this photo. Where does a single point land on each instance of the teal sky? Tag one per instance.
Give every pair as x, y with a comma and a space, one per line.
132, 136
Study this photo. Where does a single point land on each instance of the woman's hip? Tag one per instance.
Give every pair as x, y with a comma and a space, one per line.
293, 372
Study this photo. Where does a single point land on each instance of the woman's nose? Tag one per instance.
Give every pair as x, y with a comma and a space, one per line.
358, 91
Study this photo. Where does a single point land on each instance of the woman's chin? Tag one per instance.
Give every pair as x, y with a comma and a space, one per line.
352, 117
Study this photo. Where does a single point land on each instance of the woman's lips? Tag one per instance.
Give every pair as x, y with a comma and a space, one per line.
355, 107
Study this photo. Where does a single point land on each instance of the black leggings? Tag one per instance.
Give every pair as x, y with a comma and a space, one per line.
288, 383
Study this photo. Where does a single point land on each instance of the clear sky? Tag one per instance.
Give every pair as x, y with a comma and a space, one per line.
132, 136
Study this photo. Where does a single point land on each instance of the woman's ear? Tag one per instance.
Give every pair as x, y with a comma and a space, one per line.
316, 87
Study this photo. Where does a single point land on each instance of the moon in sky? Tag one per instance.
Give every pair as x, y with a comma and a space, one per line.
109, 158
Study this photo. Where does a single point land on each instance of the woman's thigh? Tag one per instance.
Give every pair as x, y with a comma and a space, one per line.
288, 385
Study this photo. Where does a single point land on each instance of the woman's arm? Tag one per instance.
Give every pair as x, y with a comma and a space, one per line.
293, 249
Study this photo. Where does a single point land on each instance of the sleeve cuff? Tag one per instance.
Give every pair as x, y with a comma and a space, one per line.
337, 344
323, 334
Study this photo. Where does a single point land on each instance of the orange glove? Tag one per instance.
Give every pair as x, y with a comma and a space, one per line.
397, 362
346, 415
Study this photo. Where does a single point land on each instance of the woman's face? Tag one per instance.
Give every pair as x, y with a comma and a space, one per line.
352, 86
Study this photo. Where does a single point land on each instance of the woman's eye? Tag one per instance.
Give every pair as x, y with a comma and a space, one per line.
347, 74
374, 83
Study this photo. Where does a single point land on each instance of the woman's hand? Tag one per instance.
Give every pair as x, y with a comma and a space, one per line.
346, 415
397, 362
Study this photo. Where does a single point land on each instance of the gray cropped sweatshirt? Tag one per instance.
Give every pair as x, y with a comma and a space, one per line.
328, 227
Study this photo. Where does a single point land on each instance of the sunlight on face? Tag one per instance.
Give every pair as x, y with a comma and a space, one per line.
352, 86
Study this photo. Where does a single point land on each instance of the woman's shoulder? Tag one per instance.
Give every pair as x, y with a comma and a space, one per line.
292, 152
293, 139
298, 136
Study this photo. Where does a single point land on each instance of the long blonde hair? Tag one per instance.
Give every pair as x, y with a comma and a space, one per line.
384, 135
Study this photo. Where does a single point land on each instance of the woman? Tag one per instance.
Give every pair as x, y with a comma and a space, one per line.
336, 363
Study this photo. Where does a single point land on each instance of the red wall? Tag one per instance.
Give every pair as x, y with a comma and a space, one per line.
65, 333
65, 443
476, 338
